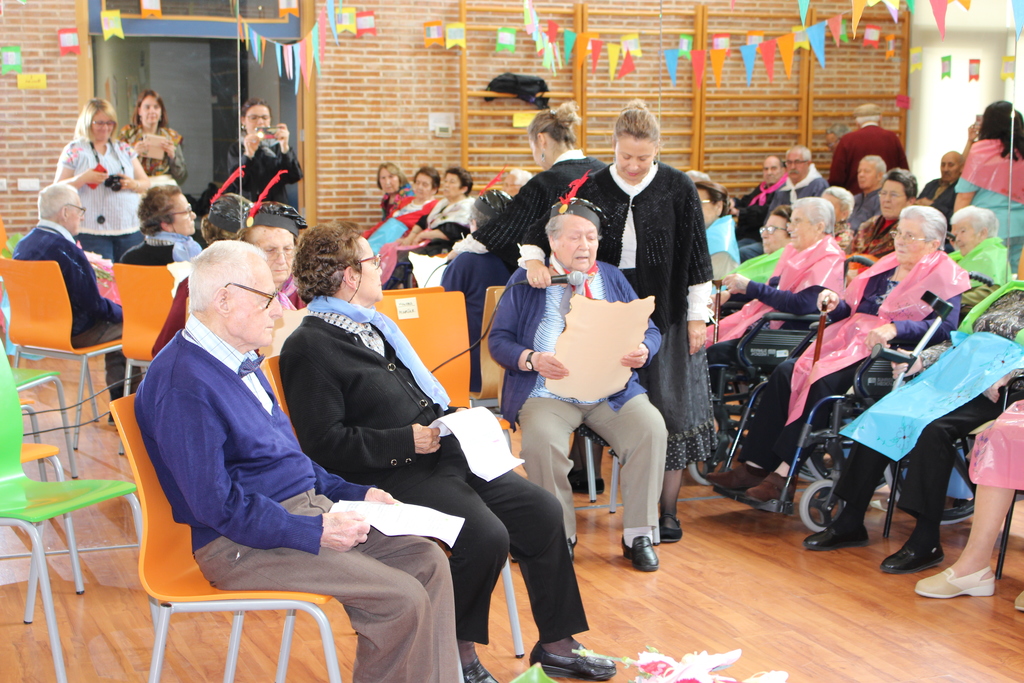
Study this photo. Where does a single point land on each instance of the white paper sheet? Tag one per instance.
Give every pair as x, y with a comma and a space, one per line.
597, 335
405, 520
482, 440
427, 269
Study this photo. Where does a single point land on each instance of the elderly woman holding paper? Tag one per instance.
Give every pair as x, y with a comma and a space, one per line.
549, 401
363, 403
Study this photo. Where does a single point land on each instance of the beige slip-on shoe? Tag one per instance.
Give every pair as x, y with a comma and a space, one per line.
981, 583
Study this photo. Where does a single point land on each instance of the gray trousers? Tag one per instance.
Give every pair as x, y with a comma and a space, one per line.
636, 433
397, 591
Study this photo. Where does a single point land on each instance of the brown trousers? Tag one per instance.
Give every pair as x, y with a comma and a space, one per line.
397, 592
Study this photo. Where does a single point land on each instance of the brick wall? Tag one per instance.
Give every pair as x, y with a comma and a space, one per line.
375, 93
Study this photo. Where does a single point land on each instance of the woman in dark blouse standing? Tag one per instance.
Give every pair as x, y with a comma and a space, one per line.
654, 233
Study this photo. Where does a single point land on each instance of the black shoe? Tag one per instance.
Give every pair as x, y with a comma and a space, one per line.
585, 668
669, 534
907, 561
642, 554
830, 540
476, 673
572, 549
579, 484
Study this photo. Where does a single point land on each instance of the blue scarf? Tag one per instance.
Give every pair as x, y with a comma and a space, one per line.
426, 381
184, 248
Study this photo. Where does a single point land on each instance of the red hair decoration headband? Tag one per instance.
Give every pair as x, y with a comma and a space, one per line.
495, 180
573, 187
239, 173
263, 195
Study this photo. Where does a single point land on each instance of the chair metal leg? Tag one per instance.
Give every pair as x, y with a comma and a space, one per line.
236, 640
327, 638
615, 484
161, 621
588, 447
83, 374
76, 565
513, 610
1004, 539
133, 503
128, 365
39, 572
897, 472
286, 647
33, 581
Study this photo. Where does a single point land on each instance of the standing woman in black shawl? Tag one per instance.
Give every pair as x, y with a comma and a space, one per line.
654, 232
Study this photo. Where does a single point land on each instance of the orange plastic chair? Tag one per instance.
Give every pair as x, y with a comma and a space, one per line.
145, 301
412, 290
435, 324
491, 374
174, 582
41, 322
272, 369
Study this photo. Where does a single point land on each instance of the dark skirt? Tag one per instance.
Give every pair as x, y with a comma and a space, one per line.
679, 387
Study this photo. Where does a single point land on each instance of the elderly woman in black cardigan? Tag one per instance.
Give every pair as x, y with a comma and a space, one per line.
654, 232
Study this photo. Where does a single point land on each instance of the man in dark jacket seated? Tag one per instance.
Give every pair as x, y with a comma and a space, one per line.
259, 509
94, 319
362, 403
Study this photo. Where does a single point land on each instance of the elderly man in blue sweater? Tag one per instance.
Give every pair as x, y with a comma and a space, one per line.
259, 509
94, 319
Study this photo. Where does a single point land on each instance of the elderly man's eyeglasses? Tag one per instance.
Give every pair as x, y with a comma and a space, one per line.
905, 237
372, 259
269, 297
794, 162
769, 229
79, 209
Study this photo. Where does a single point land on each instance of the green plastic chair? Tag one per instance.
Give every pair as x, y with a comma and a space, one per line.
28, 378
26, 504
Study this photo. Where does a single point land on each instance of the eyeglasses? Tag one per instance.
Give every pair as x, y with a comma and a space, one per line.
79, 209
102, 124
374, 259
793, 162
271, 298
769, 229
906, 237
178, 213
892, 195
257, 117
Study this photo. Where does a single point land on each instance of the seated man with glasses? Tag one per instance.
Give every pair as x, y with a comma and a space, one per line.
802, 178
167, 223
259, 509
882, 304
94, 319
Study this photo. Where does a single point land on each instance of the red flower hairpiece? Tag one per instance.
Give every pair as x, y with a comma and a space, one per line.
495, 180
573, 187
263, 195
239, 173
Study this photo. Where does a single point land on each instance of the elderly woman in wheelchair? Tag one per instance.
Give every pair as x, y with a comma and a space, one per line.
882, 304
920, 426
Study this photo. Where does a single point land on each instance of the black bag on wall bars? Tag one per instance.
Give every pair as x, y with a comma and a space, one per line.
525, 88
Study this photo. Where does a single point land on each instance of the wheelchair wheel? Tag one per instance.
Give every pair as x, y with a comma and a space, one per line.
700, 469
818, 507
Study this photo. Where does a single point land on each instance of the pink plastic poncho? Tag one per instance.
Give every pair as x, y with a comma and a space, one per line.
844, 345
821, 264
998, 459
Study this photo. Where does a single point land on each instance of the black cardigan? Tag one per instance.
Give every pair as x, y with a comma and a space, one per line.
503, 234
672, 246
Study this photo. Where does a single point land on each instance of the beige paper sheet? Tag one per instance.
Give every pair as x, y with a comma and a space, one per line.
597, 335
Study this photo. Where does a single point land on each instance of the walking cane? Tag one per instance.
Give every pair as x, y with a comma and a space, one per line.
717, 284
822, 321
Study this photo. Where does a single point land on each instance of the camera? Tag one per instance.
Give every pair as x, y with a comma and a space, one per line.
113, 182
266, 133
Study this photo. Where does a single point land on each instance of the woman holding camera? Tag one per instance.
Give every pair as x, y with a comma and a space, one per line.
158, 145
109, 179
266, 151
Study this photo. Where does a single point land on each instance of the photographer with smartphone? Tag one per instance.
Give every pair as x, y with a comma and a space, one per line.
109, 179
265, 150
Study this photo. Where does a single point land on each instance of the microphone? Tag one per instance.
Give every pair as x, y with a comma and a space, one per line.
573, 277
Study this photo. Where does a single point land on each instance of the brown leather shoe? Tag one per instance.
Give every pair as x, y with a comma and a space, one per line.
771, 488
738, 478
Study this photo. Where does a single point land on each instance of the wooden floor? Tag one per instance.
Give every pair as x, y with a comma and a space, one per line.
738, 579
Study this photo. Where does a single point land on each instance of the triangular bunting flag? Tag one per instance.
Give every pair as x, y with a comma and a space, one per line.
595, 54
939, 10
697, 59
803, 11
785, 43
767, 50
672, 63
332, 21
717, 62
613, 59
749, 54
280, 61
835, 27
858, 10
570, 41
552, 31
627, 65
816, 37
894, 10
1018, 15
288, 55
